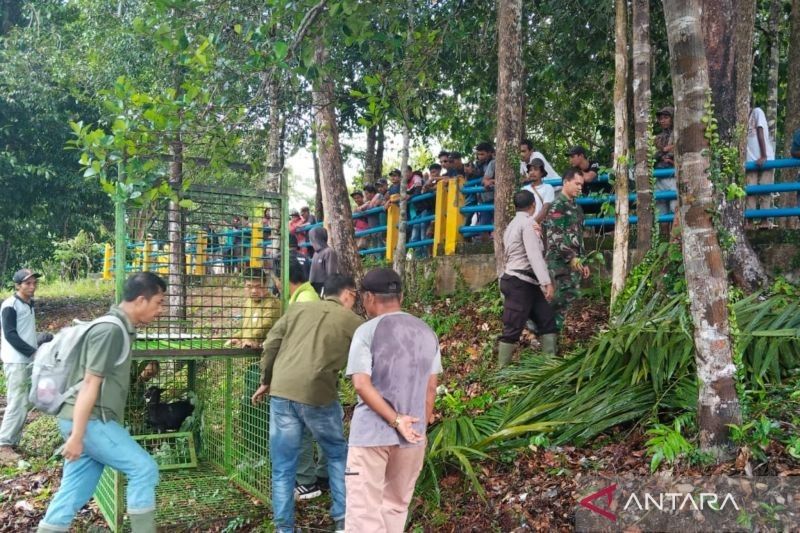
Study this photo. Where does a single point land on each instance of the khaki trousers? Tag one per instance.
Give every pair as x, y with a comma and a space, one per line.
380, 483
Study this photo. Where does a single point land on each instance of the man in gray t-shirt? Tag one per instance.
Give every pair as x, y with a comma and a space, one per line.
394, 362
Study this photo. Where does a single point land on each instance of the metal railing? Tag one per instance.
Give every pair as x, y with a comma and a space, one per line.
454, 201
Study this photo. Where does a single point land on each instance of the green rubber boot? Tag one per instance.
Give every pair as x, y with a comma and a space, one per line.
143, 522
505, 351
549, 343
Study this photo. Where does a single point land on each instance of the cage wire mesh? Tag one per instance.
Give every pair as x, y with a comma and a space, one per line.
218, 252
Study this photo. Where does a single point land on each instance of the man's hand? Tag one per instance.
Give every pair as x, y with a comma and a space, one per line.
250, 343
537, 228
73, 448
584, 270
760, 161
262, 391
407, 431
43, 338
549, 291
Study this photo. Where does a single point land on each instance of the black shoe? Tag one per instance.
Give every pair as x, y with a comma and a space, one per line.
307, 492
322, 483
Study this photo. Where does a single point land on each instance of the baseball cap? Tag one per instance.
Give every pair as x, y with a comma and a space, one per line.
382, 281
294, 213
21, 276
354, 193
382, 181
668, 110
576, 150
395, 172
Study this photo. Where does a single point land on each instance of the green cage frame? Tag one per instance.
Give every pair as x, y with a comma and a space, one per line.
228, 448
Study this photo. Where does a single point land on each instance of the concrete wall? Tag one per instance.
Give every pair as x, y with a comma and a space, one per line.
779, 254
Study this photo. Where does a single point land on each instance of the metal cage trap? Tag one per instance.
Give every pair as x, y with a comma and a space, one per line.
218, 252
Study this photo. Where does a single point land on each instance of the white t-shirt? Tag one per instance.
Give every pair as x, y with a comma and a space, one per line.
551, 173
546, 195
758, 119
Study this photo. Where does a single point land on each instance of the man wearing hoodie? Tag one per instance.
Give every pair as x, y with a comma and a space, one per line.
325, 261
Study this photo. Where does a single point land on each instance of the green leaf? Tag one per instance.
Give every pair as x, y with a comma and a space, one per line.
280, 49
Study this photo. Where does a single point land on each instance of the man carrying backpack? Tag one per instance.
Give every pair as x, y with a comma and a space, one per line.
91, 422
18, 342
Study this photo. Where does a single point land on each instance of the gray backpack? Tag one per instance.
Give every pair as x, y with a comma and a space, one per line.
53, 363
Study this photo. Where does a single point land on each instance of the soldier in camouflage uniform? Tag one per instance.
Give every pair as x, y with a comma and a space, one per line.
564, 229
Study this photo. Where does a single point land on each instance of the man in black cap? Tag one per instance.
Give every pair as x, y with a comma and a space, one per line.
394, 363
18, 342
590, 170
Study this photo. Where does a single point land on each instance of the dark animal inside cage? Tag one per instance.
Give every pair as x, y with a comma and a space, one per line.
165, 416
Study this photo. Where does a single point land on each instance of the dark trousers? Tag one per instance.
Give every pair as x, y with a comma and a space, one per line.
524, 300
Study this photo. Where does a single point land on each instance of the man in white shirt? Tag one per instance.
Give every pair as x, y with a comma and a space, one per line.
543, 193
526, 156
759, 149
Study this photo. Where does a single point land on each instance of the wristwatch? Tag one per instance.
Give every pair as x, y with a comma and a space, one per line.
396, 423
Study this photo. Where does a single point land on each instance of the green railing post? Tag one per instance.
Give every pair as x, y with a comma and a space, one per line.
227, 459
284, 242
120, 238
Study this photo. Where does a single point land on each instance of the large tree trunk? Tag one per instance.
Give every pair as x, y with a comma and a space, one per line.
369, 155
792, 119
641, 113
619, 270
706, 278
334, 188
509, 104
728, 26
319, 211
275, 136
399, 259
774, 40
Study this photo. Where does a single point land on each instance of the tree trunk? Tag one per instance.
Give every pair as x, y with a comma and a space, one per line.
509, 104
379, 152
319, 211
10, 11
774, 40
399, 261
706, 278
335, 199
275, 140
642, 125
619, 270
792, 119
176, 291
369, 155
728, 26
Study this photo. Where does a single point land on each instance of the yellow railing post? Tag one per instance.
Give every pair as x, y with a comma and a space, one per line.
163, 259
454, 219
200, 255
392, 219
440, 217
256, 238
108, 254
146, 251
137, 258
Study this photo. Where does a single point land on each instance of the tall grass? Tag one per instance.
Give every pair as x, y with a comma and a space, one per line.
642, 367
86, 288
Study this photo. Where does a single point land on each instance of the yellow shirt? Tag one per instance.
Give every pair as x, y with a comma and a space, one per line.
259, 317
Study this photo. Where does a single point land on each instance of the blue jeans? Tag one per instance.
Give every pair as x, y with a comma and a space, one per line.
287, 420
104, 444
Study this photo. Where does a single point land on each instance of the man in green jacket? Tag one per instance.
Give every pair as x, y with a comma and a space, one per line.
303, 354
